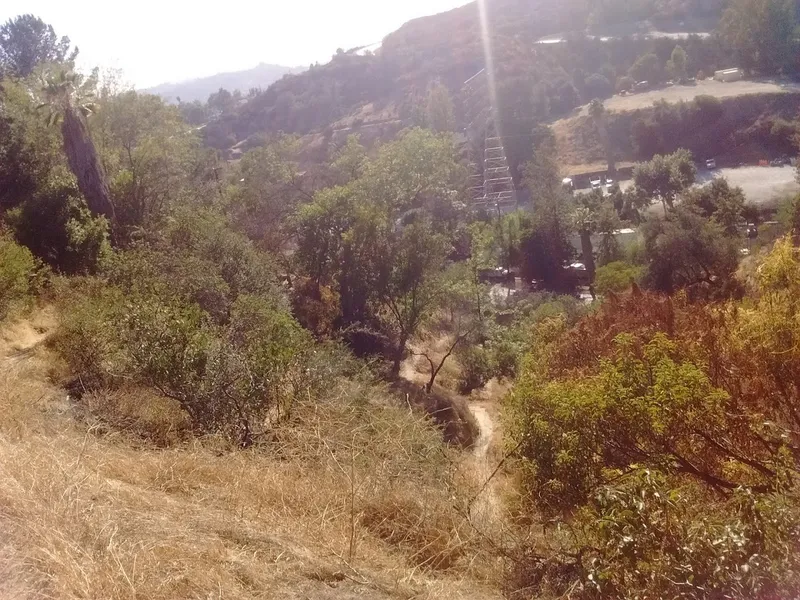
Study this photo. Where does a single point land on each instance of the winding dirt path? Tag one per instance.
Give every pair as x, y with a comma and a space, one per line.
486, 506
18, 342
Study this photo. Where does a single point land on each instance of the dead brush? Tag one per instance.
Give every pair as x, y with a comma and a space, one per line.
141, 412
425, 527
395, 476
87, 511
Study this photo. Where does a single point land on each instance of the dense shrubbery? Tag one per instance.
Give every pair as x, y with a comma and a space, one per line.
617, 277
195, 315
698, 395
58, 228
18, 275
708, 126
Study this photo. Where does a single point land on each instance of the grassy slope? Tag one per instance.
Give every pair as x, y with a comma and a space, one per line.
89, 512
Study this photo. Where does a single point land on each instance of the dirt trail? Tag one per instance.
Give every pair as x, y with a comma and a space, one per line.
18, 341
483, 404
485, 508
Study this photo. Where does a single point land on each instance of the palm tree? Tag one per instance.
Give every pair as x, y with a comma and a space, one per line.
61, 94
598, 114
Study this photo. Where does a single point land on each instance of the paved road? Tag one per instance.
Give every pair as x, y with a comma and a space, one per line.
676, 93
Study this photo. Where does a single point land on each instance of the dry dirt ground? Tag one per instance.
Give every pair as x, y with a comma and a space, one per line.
91, 515
481, 467
677, 93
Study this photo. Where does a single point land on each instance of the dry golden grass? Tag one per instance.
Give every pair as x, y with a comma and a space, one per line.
89, 510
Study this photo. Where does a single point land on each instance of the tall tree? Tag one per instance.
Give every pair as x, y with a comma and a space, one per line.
721, 203
62, 94
676, 65
666, 176
648, 68
586, 220
545, 247
541, 175
148, 150
409, 286
687, 250
761, 32
26, 41
269, 188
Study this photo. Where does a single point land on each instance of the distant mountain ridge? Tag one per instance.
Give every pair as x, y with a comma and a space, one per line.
261, 76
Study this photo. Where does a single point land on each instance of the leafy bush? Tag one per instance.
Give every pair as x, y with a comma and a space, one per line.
17, 274
86, 339
476, 368
653, 541
643, 538
617, 277
661, 432
506, 357
59, 229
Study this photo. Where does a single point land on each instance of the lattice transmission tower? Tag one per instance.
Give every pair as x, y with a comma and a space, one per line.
491, 184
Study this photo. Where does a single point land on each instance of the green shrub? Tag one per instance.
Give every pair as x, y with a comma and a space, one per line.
506, 357
177, 274
643, 538
17, 275
87, 339
476, 368
651, 541
209, 237
617, 277
58, 228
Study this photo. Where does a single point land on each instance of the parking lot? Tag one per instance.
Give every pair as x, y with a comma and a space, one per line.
763, 186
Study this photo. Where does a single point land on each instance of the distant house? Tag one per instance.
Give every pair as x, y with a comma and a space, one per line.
728, 75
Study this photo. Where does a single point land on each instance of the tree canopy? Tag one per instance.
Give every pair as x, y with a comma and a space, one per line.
26, 42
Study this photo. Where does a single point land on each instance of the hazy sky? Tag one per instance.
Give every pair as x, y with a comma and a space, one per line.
155, 41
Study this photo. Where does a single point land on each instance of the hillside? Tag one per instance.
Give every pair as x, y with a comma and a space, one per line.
200, 89
740, 128
529, 75
92, 510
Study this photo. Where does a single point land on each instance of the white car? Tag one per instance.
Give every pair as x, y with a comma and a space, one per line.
711, 164
595, 183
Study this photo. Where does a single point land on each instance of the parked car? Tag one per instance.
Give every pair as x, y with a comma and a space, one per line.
711, 164
596, 183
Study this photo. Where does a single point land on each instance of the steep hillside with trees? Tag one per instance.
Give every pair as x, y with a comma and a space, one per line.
535, 82
261, 378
